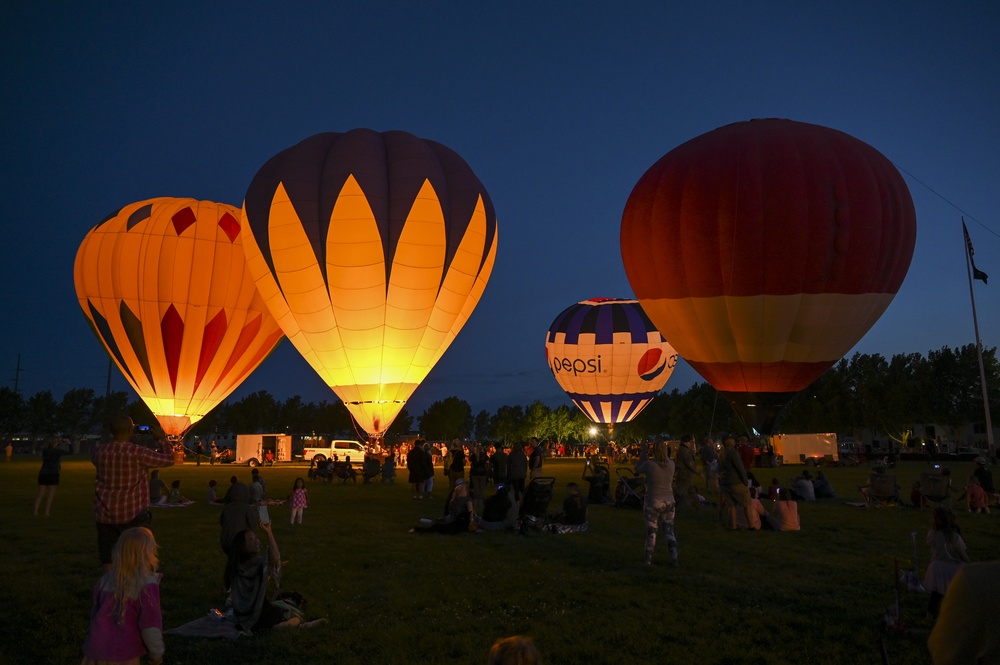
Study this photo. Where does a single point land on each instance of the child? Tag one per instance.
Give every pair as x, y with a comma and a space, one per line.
947, 556
300, 499
212, 496
175, 493
975, 496
125, 621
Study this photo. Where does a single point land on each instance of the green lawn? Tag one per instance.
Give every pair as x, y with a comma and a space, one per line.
815, 596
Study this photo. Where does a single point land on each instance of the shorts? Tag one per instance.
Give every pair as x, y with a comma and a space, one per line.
47, 478
107, 534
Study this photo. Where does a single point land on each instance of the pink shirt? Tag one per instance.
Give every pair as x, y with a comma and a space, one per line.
109, 640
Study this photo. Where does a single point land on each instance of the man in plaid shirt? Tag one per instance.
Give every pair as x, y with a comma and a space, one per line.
121, 497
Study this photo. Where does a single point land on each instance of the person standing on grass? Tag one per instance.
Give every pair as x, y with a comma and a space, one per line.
456, 467
498, 466
517, 469
708, 462
478, 471
733, 485
428, 470
48, 477
9, 450
415, 469
687, 471
658, 507
121, 488
537, 458
299, 499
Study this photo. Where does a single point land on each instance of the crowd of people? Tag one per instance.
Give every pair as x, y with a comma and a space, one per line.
488, 489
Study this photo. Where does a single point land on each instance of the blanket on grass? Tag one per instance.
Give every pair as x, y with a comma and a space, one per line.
210, 626
185, 502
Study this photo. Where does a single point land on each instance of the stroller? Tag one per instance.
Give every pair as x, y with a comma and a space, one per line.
630, 491
535, 504
600, 485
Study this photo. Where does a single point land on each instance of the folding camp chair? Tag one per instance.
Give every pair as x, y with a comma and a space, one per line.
535, 503
935, 489
630, 491
881, 491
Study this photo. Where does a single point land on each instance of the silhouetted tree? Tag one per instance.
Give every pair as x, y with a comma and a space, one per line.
450, 418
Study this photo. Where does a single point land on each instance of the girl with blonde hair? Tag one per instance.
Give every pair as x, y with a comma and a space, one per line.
125, 621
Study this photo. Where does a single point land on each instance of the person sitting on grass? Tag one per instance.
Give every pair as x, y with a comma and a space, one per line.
459, 515
500, 511
786, 512
761, 519
247, 573
389, 469
176, 498
158, 492
822, 487
573, 516
975, 497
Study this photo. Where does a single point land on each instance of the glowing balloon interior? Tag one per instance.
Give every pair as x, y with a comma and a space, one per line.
371, 251
164, 286
610, 359
764, 250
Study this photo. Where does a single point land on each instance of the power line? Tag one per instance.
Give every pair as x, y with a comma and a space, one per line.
946, 200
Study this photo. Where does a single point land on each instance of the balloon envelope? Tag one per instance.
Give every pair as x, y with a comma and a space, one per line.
164, 286
371, 250
764, 250
607, 355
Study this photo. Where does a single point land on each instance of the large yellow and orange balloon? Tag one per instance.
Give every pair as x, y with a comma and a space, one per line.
165, 287
371, 251
609, 358
764, 250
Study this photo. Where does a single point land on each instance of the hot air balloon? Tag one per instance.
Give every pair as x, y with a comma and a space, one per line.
371, 251
607, 355
764, 250
164, 286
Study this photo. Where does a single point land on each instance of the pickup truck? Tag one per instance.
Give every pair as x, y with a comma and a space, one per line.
342, 448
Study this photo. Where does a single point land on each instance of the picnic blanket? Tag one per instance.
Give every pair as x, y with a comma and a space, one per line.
210, 626
185, 502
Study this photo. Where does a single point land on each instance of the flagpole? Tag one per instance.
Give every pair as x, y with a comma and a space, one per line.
979, 345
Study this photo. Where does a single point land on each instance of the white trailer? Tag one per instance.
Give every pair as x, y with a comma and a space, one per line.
805, 448
253, 449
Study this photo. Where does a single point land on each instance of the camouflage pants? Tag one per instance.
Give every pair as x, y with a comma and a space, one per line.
659, 516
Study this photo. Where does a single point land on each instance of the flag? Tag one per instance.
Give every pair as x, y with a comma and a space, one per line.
976, 273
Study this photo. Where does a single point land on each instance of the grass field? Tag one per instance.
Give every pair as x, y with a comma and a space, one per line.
814, 596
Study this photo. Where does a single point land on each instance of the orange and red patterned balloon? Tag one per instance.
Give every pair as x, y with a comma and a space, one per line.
164, 286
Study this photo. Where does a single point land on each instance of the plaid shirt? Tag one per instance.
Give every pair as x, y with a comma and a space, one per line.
122, 485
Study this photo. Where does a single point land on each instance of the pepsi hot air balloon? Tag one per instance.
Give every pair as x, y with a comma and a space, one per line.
610, 359
164, 286
764, 250
371, 251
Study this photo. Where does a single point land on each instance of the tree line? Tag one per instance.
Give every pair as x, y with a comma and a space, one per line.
865, 392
